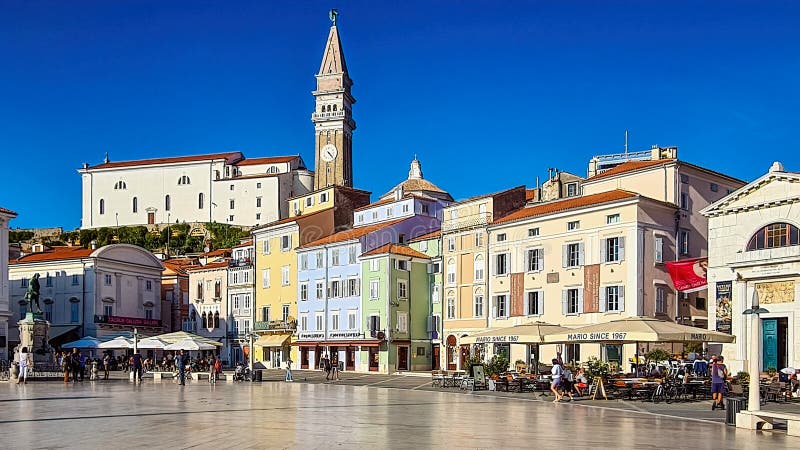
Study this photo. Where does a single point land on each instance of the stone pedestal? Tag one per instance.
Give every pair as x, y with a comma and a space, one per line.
34, 334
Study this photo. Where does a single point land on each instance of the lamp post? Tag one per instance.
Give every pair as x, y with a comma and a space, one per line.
135, 341
754, 393
250, 356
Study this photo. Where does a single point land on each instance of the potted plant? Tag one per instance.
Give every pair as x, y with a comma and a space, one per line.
742, 377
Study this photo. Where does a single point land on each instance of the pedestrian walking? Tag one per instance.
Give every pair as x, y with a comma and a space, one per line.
106, 365
325, 364
76, 364
66, 366
719, 374
137, 367
288, 370
567, 383
82, 364
335, 366
94, 374
25, 364
179, 362
557, 372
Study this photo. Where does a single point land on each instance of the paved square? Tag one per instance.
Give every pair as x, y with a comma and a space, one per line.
305, 415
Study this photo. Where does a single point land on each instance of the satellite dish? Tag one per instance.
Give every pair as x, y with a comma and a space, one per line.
206, 249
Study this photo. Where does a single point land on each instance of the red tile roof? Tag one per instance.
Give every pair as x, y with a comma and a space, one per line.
354, 233
209, 266
7, 212
629, 167
377, 203
396, 249
244, 244
291, 219
541, 209
231, 157
426, 236
180, 265
478, 197
267, 160
217, 252
55, 254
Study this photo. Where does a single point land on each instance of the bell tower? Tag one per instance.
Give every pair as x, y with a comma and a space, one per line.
333, 116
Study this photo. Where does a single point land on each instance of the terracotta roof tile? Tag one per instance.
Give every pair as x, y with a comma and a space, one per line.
629, 167
231, 157
55, 254
377, 203
354, 233
426, 236
541, 209
267, 160
478, 197
217, 252
396, 249
209, 266
291, 219
244, 244
7, 212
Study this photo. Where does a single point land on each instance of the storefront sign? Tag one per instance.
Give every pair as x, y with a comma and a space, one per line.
724, 307
310, 336
496, 339
129, 321
598, 336
345, 335
775, 292
591, 288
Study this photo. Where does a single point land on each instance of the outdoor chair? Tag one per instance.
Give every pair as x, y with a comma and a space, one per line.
774, 392
437, 378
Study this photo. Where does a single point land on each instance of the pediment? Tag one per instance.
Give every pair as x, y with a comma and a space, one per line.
769, 190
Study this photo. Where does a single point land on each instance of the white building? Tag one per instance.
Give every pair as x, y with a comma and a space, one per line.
87, 292
5, 216
754, 251
224, 188
240, 301
208, 304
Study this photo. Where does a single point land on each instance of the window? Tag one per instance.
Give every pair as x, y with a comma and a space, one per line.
402, 289
335, 257
265, 314
572, 301
74, 310
533, 232
534, 303
199, 290
389, 212
335, 289
612, 218
351, 254
479, 267
535, 259
436, 294
451, 272
714, 187
320, 320
374, 289
304, 261
319, 260
108, 280
351, 320
700, 303
323, 197
501, 264
148, 313
272, 169
218, 288
231, 188
258, 202
684, 179
102, 206
684, 242
284, 313
120, 185
265, 278
402, 322
374, 265
423, 246
453, 214
309, 201
573, 255
501, 237
286, 243
424, 208
451, 244
684, 201
501, 306
108, 310
360, 218
258, 185
48, 310
135, 207
374, 215
24, 282
230, 218
572, 189
233, 204
478, 239
23, 310
75, 280
574, 225
451, 308
167, 203
353, 287
319, 289
183, 180
613, 249
303, 291
478, 305
773, 236
148, 285
661, 300
334, 320
303, 322
405, 208
402, 264
285, 275
612, 298
265, 247
658, 250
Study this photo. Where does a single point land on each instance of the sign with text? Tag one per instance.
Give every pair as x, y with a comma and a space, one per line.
345, 335
724, 307
688, 275
591, 288
129, 321
597, 336
309, 336
496, 339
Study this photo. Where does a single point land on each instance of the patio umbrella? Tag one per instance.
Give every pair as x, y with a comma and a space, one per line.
152, 343
189, 345
529, 333
789, 370
179, 336
117, 342
86, 342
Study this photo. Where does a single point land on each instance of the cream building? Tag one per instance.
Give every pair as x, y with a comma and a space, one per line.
754, 255
225, 188
208, 304
465, 255
241, 284
5, 312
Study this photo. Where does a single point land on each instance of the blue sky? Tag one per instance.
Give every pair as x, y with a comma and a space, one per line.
488, 94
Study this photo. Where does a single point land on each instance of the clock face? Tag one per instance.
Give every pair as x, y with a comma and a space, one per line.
329, 152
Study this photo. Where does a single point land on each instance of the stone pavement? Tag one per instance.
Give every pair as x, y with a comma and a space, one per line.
360, 411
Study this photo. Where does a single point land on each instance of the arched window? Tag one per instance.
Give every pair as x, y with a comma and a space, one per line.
272, 169
102, 206
200, 199
329, 108
183, 180
210, 320
203, 318
166, 203
120, 185
216, 320
334, 108
135, 204
773, 236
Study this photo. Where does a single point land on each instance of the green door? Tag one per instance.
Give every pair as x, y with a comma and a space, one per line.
770, 340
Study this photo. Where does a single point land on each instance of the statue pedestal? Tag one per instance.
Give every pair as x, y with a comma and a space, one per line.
34, 333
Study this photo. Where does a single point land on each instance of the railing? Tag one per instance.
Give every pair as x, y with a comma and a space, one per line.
470, 221
617, 157
275, 325
240, 262
331, 114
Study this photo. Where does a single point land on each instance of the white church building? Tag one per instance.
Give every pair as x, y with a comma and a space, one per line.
224, 188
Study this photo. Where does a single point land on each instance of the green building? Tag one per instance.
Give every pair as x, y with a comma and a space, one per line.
431, 245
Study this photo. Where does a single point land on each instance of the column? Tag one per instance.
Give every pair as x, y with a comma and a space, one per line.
740, 325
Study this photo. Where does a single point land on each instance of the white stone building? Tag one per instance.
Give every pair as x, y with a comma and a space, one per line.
223, 188
87, 292
5, 216
208, 304
240, 301
754, 251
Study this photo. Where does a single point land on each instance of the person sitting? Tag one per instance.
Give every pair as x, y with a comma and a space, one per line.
581, 382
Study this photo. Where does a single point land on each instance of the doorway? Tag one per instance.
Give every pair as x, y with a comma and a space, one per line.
304, 357
435, 363
350, 358
775, 341
402, 358
151, 218
374, 358
317, 356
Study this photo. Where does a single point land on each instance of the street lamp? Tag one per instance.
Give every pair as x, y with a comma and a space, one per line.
754, 394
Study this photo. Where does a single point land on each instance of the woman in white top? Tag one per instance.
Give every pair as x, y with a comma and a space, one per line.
24, 363
557, 371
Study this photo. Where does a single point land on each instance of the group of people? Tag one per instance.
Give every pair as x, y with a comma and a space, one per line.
330, 366
564, 382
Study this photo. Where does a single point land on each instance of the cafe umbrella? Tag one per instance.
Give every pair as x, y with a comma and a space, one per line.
529, 333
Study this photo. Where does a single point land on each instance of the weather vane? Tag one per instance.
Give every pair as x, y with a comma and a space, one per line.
333, 14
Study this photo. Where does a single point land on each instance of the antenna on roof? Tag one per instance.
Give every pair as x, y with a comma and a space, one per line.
106, 158
626, 145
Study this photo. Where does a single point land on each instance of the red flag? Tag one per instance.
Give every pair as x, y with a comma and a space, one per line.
688, 275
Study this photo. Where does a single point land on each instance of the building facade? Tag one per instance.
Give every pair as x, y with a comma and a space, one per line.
208, 308
241, 284
5, 311
224, 188
431, 245
87, 292
754, 259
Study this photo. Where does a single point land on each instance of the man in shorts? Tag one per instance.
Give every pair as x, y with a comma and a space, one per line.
719, 374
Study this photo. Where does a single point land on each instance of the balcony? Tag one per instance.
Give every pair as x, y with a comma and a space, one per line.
770, 255
244, 262
290, 325
470, 221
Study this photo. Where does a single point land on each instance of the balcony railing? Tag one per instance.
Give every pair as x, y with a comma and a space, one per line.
472, 220
275, 325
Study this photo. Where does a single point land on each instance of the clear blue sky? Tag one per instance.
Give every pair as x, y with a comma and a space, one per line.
488, 94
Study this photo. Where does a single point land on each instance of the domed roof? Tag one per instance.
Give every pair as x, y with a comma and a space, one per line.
416, 184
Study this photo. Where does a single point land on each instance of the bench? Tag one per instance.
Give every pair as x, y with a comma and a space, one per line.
763, 420
200, 375
158, 376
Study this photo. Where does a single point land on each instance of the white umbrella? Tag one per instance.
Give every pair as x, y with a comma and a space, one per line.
86, 342
152, 343
789, 370
189, 345
117, 342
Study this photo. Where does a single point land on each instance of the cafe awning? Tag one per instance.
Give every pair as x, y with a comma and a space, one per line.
529, 333
638, 329
272, 340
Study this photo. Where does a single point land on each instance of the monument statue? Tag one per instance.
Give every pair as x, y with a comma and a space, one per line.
333, 14
32, 296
